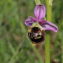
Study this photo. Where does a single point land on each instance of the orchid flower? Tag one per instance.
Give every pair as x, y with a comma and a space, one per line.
40, 12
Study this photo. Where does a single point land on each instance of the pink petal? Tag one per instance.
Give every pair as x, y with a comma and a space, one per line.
46, 25
30, 21
40, 11
32, 18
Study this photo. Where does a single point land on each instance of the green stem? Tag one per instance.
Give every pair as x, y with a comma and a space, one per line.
37, 2
47, 49
47, 43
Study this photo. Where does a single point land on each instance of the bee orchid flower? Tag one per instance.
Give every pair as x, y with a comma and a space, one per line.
38, 26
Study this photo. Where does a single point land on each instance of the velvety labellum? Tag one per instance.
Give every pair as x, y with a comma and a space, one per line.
36, 35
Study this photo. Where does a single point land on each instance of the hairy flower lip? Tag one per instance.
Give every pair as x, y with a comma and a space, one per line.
37, 40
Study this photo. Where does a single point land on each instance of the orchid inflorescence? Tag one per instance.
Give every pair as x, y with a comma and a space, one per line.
37, 28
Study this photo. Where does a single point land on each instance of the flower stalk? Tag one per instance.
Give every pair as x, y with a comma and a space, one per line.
47, 43
37, 2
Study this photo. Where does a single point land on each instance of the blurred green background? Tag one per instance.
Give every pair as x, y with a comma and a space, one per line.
15, 47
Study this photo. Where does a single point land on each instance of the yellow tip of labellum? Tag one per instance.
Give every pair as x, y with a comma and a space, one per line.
33, 44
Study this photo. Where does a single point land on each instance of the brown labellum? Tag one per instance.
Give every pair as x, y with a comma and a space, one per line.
36, 35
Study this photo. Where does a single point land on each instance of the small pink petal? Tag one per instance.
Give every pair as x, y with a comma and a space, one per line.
30, 21
42, 21
32, 18
40, 11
